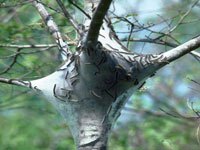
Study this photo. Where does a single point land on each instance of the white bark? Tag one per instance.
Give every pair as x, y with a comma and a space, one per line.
183, 49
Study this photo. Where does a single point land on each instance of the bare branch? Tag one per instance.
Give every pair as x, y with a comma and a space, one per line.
12, 63
164, 113
34, 109
176, 114
29, 52
80, 9
144, 112
150, 40
97, 20
183, 49
184, 16
2, 5
28, 46
194, 81
195, 54
160, 42
53, 28
33, 46
16, 82
40, 48
131, 31
68, 16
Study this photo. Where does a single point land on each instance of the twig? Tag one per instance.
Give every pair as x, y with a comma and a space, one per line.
2, 5
68, 16
160, 42
33, 45
178, 115
24, 53
80, 9
184, 16
53, 28
27, 46
129, 37
34, 109
12, 63
16, 82
194, 81
196, 54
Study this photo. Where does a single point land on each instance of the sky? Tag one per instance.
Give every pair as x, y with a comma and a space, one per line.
144, 7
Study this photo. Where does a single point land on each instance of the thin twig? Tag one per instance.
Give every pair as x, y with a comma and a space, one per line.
12, 63
129, 37
80, 9
33, 45
27, 46
160, 42
184, 16
68, 16
2, 5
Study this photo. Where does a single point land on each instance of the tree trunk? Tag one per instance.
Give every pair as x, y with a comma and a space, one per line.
92, 129
88, 124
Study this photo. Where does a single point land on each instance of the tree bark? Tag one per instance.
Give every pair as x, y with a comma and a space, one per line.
90, 128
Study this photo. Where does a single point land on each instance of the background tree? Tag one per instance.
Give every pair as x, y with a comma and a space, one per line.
22, 61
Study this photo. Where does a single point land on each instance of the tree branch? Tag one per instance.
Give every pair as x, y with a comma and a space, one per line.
16, 82
12, 63
184, 16
160, 42
27, 46
181, 50
80, 9
52, 27
97, 21
33, 45
68, 16
195, 54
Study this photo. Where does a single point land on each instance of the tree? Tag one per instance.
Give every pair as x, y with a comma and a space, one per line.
93, 84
